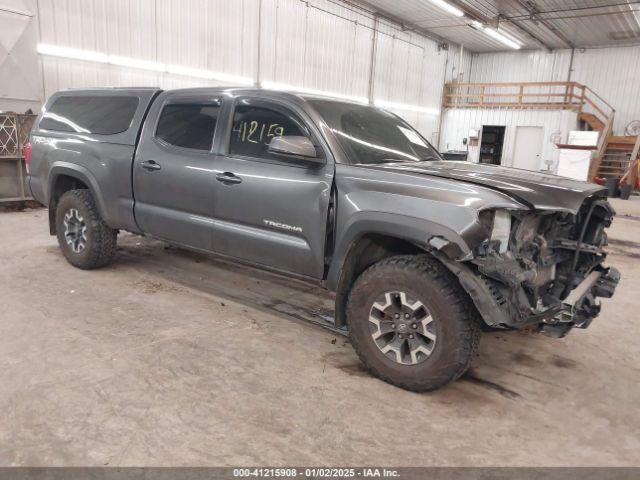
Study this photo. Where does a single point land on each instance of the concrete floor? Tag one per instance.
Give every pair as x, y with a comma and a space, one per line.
173, 358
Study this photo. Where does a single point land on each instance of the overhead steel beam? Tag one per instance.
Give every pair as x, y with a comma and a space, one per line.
474, 14
381, 13
534, 13
528, 32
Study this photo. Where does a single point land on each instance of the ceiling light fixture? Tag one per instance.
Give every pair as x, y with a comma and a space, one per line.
502, 38
447, 7
476, 25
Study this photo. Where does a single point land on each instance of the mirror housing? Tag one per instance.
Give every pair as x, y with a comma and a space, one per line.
295, 145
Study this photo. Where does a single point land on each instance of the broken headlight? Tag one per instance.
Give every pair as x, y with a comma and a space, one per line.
501, 230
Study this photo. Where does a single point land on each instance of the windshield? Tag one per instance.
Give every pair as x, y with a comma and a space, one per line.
369, 135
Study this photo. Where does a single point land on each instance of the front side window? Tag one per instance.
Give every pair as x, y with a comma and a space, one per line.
100, 114
254, 127
189, 125
369, 135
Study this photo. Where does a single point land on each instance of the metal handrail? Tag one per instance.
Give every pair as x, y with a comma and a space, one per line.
559, 96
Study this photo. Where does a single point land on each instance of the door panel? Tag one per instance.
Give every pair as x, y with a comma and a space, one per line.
173, 172
527, 150
274, 209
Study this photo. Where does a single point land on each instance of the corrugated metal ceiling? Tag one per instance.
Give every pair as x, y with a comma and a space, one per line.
535, 24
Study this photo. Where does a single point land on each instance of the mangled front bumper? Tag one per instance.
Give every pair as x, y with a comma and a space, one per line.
582, 305
550, 275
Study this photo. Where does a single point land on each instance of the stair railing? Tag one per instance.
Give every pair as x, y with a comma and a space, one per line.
537, 96
631, 175
601, 149
543, 95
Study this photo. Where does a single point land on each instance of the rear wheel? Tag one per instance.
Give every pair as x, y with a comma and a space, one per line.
411, 323
85, 240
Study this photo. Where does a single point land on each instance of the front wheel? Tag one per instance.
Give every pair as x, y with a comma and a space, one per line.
85, 240
411, 323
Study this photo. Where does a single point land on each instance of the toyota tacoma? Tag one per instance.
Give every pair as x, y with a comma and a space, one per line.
422, 254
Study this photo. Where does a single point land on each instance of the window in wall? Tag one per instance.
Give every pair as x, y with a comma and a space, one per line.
254, 127
188, 125
102, 114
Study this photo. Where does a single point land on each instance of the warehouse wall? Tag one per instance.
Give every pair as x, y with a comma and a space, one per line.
517, 66
20, 78
320, 44
613, 73
456, 124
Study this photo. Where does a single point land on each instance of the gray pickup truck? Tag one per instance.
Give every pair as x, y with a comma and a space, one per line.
422, 254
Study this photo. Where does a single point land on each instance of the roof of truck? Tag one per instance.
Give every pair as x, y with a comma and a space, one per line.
271, 92
289, 94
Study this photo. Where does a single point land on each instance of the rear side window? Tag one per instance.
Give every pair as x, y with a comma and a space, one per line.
254, 127
188, 125
102, 115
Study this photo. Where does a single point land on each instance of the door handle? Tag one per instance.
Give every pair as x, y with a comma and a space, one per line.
151, 165
228, 178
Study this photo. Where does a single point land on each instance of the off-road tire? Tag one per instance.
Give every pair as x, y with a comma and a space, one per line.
101, 240
457, 321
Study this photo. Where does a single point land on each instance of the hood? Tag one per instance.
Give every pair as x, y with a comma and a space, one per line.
536, 190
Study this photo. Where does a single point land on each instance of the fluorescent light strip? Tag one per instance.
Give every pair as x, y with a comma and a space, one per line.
495, 35
447, 7
226, 77
90, 56
73, 53
502, 38
189, 72
137, 63
406, 107
312, 91
377, 103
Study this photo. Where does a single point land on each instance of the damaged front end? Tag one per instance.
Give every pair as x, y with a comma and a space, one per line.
542, 269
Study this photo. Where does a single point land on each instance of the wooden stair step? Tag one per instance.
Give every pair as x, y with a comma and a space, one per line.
622, 139
616, 147
611, 169
594, 122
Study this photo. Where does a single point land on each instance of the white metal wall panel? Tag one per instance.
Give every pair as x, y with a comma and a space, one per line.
20, 79
529, 66
219, 36
456, 124
459, 67
409, 69
614, 74
316, 45
319, 44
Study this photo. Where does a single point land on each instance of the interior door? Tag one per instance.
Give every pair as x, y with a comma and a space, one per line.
527, 150
271, 209
173, 170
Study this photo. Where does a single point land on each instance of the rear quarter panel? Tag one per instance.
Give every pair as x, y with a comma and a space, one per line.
102, 162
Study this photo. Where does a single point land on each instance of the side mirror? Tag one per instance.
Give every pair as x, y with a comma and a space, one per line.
295, 145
